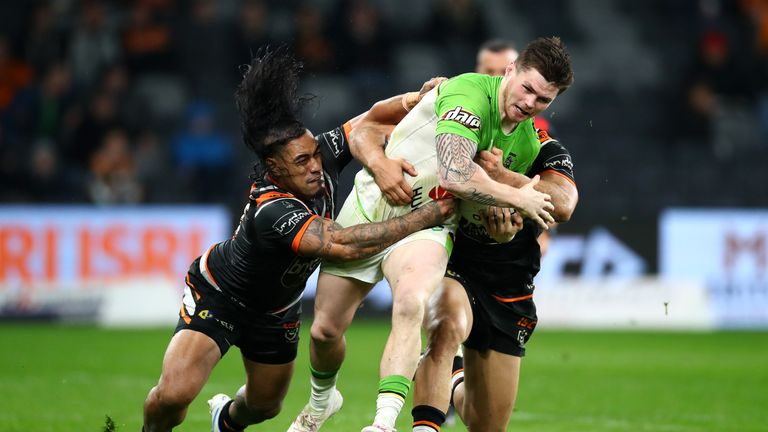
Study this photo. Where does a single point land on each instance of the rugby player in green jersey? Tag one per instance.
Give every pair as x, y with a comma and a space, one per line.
486, 300
439, 137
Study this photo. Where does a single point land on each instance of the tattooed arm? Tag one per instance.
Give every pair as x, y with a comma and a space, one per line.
558, 185
325, 238
460, 175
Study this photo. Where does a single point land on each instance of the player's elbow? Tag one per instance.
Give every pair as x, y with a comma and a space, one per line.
564, 210
562, 216
449, 185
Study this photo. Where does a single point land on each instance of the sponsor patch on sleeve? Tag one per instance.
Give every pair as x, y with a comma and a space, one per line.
289, 221
335, 139
561, 162
462, 116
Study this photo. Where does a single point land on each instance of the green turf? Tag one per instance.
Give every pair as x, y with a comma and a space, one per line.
71, 378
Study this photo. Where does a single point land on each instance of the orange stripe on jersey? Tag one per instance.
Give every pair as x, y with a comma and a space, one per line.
271, 195
191, 287
560, 174
347, 128
297, 239
512, 299
184, 315
426, 423
457, 371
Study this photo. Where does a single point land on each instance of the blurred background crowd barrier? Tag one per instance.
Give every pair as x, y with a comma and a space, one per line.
120, 157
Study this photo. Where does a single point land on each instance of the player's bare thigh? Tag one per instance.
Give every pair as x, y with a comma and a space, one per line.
336, 301
187, 364
491, 380
415, 269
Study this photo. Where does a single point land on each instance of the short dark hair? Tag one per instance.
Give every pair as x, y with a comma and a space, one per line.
497, 46
551, 59
268, 104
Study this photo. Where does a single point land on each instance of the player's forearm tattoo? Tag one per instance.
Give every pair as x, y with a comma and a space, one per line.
454, 158
482, 198
331, 240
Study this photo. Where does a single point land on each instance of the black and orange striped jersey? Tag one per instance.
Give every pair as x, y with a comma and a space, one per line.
259, 268
508, 269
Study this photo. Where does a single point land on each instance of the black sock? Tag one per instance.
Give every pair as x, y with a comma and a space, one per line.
226, 424
458, 366
425, 415
458, 363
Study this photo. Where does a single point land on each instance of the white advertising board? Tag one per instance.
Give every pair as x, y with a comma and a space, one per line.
727, 251
54, 257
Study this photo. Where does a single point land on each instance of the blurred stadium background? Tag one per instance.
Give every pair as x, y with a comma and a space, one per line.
120, 160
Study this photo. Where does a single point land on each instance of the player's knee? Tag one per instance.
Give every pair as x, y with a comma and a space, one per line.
174, 397
323, 331
408, 306
446, 333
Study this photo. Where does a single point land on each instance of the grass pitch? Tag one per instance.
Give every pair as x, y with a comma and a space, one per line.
60, 378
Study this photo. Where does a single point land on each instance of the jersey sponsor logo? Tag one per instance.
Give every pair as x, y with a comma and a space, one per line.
475, 231
416, 201
296, 275
334, 139
225, 324
438, 192
559, 163
466, 118
288, 222
527, 323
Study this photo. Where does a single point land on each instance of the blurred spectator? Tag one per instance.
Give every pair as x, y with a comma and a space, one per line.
94, 43
203, 154
48, 180
457, 27
252, 30
758, 12
206, 54
494, 56
311, 41
39, 110
113, 172
152, 168
147, 41
365, 47
45, 41
89, 134
714, 74
14, 74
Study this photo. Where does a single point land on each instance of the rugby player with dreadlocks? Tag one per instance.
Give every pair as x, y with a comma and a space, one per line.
245, 291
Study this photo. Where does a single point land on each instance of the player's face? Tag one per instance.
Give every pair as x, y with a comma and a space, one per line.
298, 167
494, 63
526, 94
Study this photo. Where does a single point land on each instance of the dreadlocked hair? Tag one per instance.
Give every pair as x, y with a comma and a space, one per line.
268, 105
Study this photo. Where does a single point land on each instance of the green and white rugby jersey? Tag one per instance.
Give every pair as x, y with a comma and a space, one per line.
466, 105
